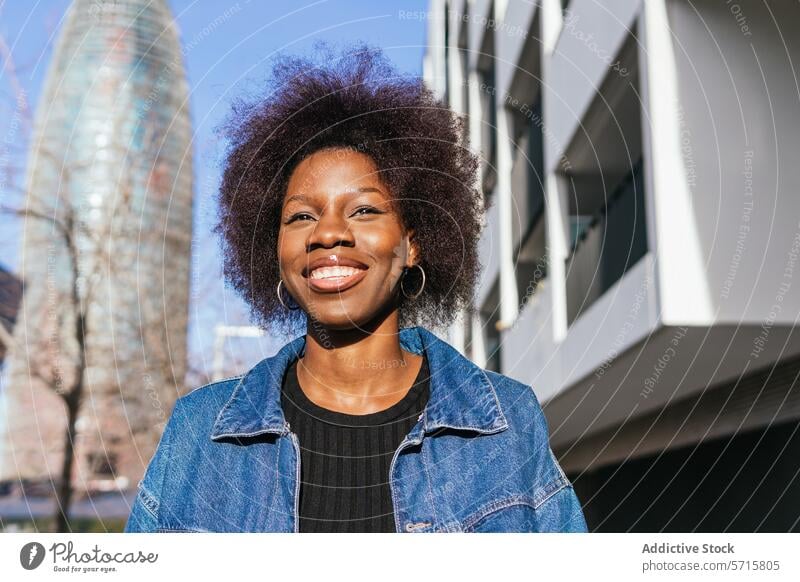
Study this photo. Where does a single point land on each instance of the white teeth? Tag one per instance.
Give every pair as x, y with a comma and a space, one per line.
330, 272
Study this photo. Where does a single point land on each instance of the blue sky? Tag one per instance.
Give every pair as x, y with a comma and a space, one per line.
231, 47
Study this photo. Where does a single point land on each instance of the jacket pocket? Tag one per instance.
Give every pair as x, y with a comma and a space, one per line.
170, 529
516, 513
553, 508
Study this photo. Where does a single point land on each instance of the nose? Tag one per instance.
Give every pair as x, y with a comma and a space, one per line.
332, 229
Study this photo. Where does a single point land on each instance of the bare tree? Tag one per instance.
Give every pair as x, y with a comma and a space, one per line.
67, 228
91, 260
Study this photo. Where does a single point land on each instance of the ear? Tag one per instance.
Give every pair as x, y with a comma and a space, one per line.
413, 249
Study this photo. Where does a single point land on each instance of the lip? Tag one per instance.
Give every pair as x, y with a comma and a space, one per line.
332, 260
336, 284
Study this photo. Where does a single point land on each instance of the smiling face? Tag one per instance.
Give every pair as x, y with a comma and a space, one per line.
342, 245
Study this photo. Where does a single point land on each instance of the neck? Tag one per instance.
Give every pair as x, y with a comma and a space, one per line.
358, 370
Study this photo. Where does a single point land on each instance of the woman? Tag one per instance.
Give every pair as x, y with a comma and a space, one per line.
349, 212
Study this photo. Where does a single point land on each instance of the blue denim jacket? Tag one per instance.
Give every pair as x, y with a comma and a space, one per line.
478, 459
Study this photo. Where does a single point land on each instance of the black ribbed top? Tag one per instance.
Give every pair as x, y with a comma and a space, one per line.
345, 458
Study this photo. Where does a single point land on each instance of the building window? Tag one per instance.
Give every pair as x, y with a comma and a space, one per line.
488, 89
463, 54
469, 352
604, 184
446, 53
527, 173
490, 316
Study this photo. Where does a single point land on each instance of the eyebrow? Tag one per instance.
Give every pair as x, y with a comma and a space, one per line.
363, 189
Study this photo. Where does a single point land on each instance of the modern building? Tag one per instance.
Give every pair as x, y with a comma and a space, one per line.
640, 255
107, 233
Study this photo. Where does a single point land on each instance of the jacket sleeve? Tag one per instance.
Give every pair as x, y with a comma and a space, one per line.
558, 508
144, 513
561, 511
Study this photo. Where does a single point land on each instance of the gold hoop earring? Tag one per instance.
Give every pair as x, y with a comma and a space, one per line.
403, 290
280, 298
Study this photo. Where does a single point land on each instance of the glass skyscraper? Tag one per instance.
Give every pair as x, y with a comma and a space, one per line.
108, 227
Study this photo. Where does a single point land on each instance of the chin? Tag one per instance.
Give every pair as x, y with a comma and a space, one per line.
340, 321
337, 316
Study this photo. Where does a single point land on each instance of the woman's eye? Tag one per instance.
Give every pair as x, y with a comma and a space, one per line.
366, 210
298, 216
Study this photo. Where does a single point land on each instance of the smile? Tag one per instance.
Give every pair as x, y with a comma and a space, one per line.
337, 278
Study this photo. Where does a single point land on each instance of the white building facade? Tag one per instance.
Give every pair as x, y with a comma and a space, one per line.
641, 255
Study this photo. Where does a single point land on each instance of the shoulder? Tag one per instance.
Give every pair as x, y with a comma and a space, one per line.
205, 401
517, 400
506, 383
215, 386
525, 417
530, 430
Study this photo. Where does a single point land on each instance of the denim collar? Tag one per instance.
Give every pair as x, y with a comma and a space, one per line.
461, 395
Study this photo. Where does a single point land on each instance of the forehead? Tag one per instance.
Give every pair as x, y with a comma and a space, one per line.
333, 170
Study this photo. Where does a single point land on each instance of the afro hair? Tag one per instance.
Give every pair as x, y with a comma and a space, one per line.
353, 100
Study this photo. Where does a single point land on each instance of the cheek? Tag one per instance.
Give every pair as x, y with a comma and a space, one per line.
290, 245
389, 251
